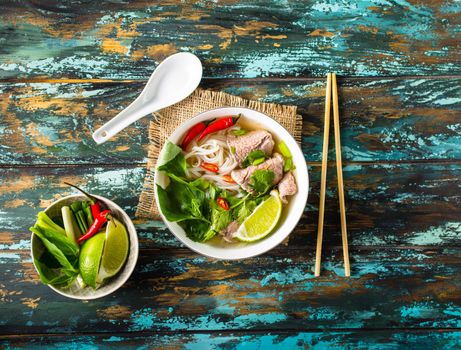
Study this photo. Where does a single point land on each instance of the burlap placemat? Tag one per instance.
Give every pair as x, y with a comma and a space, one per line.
168, 119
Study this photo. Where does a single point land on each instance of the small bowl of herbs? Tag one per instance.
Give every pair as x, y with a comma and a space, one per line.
84, 246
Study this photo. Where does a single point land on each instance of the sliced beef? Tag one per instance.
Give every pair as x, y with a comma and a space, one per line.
287, 187
228, 232
252, 141
243, 176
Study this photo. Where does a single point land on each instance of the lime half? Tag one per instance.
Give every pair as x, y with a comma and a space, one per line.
115, 250
262, 221
90, 258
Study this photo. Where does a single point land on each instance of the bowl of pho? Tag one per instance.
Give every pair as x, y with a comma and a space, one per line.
231, 183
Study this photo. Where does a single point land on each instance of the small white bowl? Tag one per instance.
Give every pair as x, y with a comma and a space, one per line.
113, 283
216, 247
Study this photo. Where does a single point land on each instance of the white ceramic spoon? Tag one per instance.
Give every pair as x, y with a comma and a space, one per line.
172, 81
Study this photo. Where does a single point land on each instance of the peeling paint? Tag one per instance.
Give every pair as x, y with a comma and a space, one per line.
395, 38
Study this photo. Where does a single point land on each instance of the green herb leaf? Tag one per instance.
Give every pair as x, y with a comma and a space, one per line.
180, 201
262, 180
57, 252
245, 210
196, 230
201, 231
201, 183
220, 218
68, 247
53, 276
49, 260
232, 200
172, 161
46, 223
58, 262
58, 221
213, 191
252, 156
233, 150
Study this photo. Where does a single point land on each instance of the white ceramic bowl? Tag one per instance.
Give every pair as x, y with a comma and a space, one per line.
113, 283
216, 247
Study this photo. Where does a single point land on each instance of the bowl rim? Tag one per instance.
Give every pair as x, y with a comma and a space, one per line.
276, 242
133, 236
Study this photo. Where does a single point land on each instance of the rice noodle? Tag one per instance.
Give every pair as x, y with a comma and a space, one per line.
213, 149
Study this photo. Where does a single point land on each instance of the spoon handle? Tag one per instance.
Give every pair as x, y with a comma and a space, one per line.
126, 117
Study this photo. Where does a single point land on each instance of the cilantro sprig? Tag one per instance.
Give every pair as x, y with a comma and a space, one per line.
262, 180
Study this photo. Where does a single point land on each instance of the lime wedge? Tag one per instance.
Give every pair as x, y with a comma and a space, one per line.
115, 250
90, 258
262, 221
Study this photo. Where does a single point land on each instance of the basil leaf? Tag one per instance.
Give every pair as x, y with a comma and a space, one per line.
172, 161
69, 248
49, 260
201, 183
180, 201
196, 230
58, 221
44, 221
53, 276
58, 254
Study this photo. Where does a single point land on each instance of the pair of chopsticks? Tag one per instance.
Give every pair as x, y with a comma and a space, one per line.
332, 88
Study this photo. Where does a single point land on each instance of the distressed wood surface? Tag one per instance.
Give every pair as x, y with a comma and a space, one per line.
125, 40
406, 204
388, 339
382, 119
392, 288
66, 67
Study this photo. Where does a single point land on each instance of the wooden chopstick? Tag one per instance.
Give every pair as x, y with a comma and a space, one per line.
332, 87
339, 169
323, 179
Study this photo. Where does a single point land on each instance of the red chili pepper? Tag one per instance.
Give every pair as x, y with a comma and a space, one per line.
95, 204
223, 203
218, 125
98, 222
95, 209
191, 134
210, 167
228, 179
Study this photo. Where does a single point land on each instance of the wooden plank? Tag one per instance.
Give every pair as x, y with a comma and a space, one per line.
390, 339
182, 291
382, 120
115, 40
398, 204
53, 123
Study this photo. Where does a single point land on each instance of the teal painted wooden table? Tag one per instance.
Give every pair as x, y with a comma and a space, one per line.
66, 67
